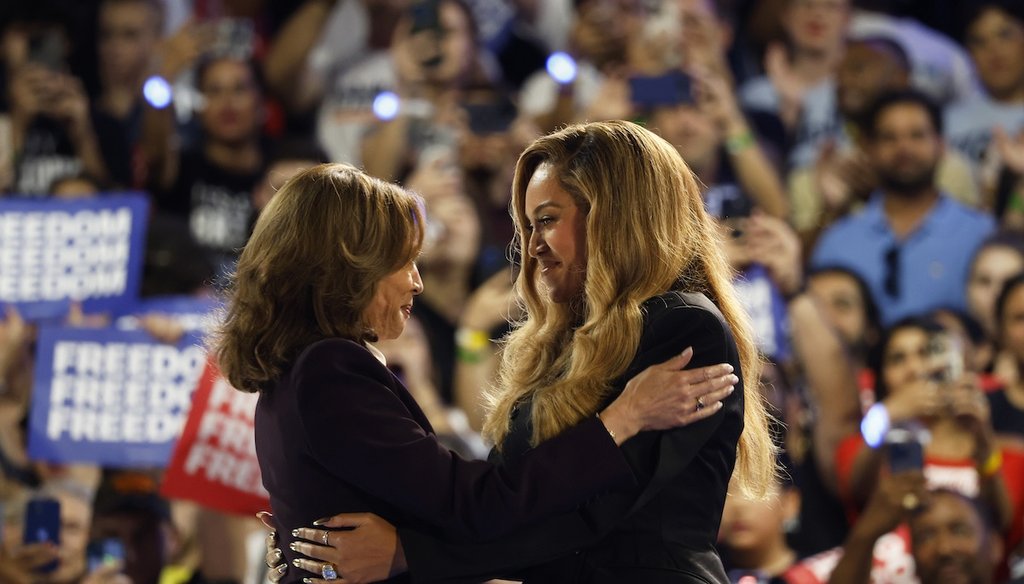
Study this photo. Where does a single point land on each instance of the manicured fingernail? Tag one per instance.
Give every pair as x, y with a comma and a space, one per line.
729, 390
295, 563
307, 580
295, 533
282, 569
734, 379
718, 405
293, 546
321, 521
729, 368
687, 351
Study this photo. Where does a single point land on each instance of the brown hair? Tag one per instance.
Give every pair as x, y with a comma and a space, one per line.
647, 233
311, 267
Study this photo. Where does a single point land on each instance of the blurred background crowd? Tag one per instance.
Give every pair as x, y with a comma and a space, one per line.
865, 159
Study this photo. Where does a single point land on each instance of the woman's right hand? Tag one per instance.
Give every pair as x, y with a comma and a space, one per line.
665, 396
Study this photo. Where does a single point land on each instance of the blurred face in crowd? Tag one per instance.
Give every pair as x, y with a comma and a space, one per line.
144, 538
128, 34
454, 230
232, 101
693, 134
840, 299
1013, 324
866, 71
996, 43
752, 525
600, 32
951, 544
905, 358
75, 515
442, 56
816, 25
992, 267
905, 149
557, 231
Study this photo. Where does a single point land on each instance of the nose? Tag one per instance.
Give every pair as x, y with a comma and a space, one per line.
417, 282
535, 245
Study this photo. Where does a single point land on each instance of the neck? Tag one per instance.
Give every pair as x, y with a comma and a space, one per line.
905, 211
242, 157
772, 560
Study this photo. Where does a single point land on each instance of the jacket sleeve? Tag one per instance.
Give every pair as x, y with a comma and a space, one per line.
360, 430
655, 457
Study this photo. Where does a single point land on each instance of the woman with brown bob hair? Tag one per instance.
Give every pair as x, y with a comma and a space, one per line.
328, 270
621, 268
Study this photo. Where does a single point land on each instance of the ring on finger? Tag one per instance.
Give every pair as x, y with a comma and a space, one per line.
328, 571
700, 403
325, 538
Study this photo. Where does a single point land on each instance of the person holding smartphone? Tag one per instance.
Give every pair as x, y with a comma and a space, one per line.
922, 387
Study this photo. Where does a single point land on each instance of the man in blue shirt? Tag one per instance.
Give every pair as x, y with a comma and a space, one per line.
911, 243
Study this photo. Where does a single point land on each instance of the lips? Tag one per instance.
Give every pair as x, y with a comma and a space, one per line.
547, 266
407, 310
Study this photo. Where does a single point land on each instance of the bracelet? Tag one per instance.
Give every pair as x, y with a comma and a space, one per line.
470, 345
993, 464
740, 142
607, 429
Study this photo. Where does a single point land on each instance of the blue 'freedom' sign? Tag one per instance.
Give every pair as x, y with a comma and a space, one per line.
55, 251
109, 397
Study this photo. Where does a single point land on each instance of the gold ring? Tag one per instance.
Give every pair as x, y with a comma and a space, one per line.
326, 541
910, 501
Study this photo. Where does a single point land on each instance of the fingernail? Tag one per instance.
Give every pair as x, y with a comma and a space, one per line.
729, 368
687, 351
321, 521
293, 546
282, 569
718, 405
295, 533
307, 580
734, 379
295, 563
729, 390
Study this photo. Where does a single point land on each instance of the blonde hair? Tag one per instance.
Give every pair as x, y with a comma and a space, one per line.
311, 267
647, 233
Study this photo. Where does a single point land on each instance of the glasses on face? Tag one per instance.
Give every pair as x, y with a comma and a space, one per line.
891, 279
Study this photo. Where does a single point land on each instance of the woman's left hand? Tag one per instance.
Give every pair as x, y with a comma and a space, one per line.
367, 551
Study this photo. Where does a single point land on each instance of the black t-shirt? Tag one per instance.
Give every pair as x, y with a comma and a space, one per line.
1007, 418
47, 154
217, 204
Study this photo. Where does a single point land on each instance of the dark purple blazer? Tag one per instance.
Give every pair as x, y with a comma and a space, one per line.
340, 433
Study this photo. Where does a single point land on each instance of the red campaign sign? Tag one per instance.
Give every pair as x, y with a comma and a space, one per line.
214, 462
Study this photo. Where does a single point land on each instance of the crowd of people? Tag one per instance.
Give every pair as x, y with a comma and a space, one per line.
863, 161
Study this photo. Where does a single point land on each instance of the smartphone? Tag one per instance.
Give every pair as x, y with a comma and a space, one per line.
672, 88
47, 49
946, 358
103, 552
42, 523
905, 450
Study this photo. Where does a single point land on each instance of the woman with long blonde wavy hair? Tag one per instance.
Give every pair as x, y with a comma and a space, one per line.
621, 268
328, 271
